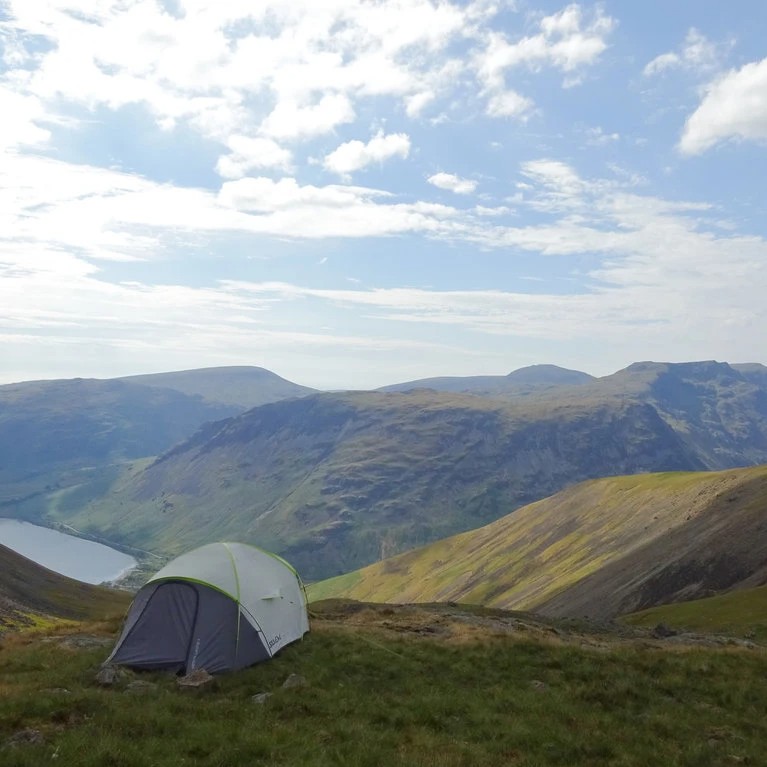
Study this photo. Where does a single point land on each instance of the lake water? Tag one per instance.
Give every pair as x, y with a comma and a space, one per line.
84, 560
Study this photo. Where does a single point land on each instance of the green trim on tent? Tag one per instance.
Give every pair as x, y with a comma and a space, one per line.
239, 601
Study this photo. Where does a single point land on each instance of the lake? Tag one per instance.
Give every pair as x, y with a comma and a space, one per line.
84, 560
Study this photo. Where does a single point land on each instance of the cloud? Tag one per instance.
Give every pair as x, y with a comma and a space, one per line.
598, 137
19, 125
355, 155
565, 42
289, 120
697, 54
508, 103
734, 107
281, 71
249, 153
452, 183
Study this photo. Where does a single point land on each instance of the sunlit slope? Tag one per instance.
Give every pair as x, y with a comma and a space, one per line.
742, 612
601, 548
28, 591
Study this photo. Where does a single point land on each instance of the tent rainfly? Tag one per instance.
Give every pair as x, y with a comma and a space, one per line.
220, 607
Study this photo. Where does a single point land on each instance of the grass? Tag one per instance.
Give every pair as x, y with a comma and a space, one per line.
742, 613
389, 692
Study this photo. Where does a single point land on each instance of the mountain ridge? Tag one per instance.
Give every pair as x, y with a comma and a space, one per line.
333, 481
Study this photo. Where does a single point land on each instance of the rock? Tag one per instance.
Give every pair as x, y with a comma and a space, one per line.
261, 697
140, 687
197, 678
27, 737
662, 631
84, 641
106, 676
294, 680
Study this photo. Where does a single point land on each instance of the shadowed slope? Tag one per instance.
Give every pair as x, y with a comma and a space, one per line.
28, 590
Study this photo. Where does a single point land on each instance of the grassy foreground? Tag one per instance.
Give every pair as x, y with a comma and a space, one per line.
401, 686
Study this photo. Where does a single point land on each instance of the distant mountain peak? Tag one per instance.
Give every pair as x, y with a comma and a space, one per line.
548, 374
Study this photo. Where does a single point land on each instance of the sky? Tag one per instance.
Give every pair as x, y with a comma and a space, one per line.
354, 194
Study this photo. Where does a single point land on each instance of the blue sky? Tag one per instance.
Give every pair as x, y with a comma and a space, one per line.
353, 194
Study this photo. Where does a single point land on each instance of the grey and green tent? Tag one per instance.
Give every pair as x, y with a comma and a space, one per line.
221, 607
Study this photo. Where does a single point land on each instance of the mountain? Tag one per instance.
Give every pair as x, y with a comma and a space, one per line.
242, 387
51, 428
522, 381
753, 372
719, 412
600, 549
336, 481
29, 592
62, 434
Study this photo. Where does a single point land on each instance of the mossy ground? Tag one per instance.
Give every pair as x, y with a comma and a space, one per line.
397, 686
742, 613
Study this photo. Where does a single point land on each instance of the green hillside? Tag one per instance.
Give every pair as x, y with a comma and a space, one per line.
30, 593
601, 549
68, 440
58, 434
433, 687
742, 613
335, 481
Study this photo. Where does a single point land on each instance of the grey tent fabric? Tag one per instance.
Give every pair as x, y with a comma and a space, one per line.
220, 607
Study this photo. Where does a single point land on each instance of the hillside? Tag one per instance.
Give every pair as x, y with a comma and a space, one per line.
63, 437
600, 549
50, 428
740, 613
335, 481
433, 686
29, 593
242, 387
518, 382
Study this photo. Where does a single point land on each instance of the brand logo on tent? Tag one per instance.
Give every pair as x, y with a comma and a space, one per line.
274, 641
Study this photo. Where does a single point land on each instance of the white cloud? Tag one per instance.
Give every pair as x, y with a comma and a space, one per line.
734, 107
289, 120
355, 155
285, 71
19, 123
452, 183
598, 137
508, 103
565, 42
248, 153
697, 53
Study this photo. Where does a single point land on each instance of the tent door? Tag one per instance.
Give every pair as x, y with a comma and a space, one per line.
162, 635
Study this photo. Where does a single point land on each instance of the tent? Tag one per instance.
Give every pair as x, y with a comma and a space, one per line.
220, 607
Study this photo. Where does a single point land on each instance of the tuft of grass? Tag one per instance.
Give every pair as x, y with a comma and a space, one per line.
384, 692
